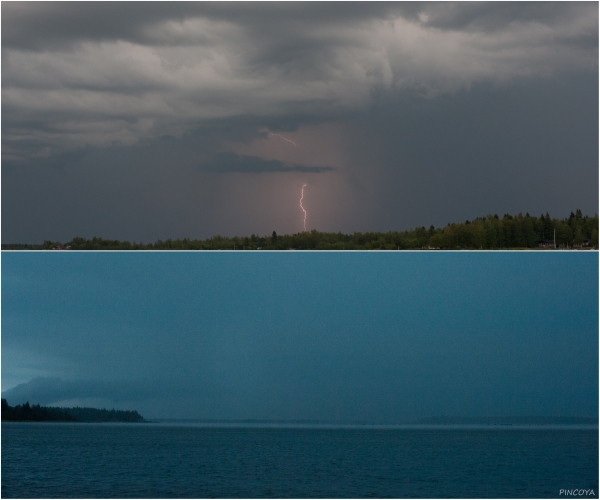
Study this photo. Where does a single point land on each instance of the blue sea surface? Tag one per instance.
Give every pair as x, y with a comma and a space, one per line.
49, 460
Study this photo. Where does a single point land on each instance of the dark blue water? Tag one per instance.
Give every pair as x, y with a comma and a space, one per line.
155, 460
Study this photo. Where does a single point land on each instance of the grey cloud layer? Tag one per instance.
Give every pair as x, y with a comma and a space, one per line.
64, 23
51, 390
99, 74
230, 162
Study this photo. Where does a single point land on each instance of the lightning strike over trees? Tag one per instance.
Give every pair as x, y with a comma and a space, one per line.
301, 197
577, 232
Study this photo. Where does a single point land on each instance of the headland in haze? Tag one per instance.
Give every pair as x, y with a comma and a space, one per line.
37, 413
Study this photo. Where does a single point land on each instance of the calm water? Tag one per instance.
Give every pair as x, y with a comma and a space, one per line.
156, 460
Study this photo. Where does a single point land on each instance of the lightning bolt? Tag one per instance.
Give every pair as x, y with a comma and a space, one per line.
279, 135
302, 196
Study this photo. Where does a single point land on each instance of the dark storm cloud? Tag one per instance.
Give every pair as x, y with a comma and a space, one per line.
63, 23
131, 71
36, 25
230, 162
122, 87
493, 16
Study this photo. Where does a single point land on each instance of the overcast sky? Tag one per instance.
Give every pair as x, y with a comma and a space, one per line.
141, 121
340, 337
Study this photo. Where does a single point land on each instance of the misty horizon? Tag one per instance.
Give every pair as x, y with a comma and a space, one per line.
39, 391
337, 337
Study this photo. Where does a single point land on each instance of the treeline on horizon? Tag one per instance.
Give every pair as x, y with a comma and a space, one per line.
483, 233
37, 413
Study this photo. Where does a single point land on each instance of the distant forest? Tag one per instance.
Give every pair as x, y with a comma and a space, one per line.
37, 413
483, 233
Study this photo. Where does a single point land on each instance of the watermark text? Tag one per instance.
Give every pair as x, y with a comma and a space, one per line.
580, 492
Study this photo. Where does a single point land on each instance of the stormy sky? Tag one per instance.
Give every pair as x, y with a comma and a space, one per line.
142, 121
335, 337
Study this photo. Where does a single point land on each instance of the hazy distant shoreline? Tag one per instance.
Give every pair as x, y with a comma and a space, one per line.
432, 422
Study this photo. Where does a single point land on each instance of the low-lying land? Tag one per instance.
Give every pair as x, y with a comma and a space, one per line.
483, 233
587, 421
37, 413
